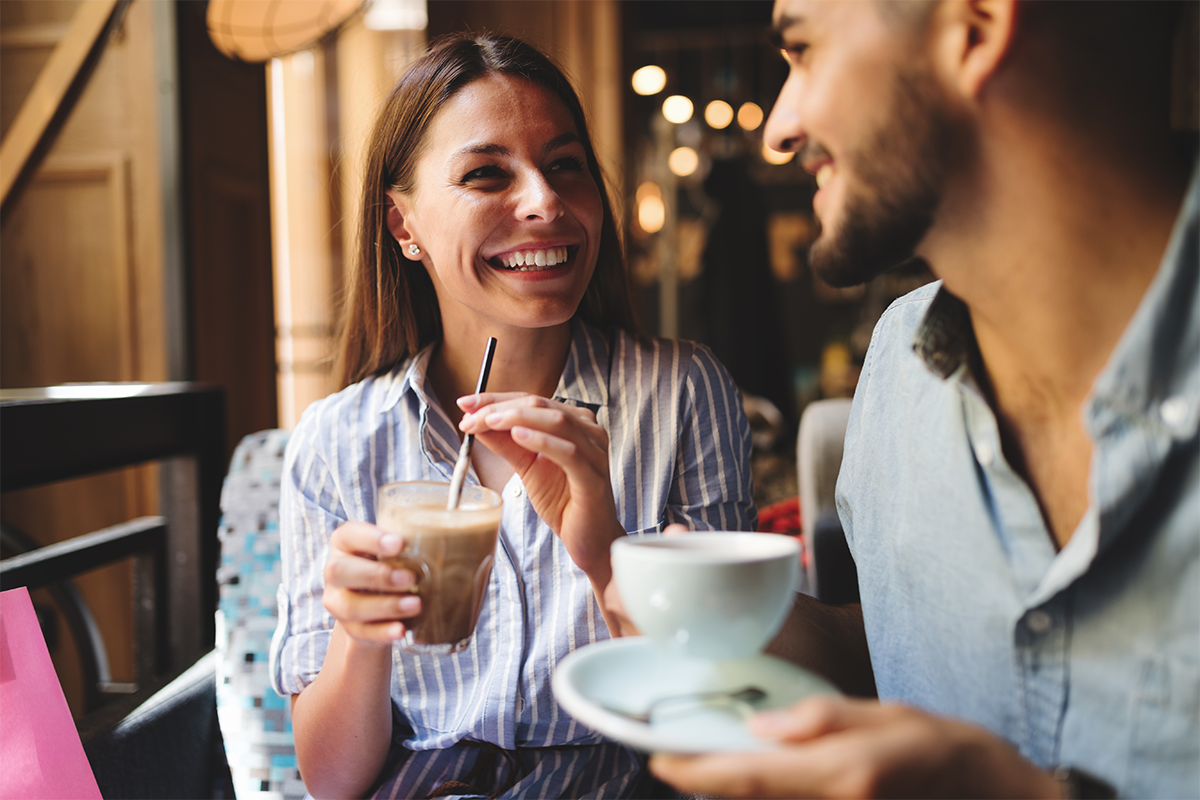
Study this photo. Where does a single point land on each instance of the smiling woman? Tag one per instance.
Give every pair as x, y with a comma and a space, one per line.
484, 215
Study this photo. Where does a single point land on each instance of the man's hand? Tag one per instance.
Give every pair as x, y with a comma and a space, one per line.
840, 747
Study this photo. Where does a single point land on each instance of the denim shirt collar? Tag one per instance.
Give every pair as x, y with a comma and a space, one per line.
945, 340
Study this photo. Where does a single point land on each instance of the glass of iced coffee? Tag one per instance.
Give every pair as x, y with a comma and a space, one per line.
450, 554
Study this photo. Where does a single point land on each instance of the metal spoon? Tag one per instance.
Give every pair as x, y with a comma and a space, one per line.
748, 694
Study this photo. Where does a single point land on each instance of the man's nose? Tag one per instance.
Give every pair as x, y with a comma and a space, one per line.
537, 199
785, 131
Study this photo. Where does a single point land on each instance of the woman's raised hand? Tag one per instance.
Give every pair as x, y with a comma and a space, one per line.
560, 453
368, 597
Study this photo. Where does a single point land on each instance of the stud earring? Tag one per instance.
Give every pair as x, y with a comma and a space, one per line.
413, 250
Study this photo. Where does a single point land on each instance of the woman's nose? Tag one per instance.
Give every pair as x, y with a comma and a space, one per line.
537, 199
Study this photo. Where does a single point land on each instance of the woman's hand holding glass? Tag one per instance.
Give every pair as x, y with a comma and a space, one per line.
560, 452
368, 598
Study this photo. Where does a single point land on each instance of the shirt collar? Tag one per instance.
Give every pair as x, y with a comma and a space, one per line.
584, 381
945, 340
1154, 370
408, 375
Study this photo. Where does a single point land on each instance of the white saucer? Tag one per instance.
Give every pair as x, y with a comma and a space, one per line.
630, 673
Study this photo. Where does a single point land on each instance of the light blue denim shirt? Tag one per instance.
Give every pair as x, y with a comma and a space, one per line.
1088, 656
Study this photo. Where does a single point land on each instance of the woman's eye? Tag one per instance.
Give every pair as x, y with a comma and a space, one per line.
568, 164
490, 172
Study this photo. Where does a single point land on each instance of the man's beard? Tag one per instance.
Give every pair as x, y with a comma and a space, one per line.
895, 185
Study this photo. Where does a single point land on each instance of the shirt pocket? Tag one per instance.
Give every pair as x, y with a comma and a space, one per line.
1165, 752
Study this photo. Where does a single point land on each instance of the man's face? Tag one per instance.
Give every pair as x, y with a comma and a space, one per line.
864, 113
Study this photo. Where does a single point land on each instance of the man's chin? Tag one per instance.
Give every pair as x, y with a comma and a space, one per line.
842, 269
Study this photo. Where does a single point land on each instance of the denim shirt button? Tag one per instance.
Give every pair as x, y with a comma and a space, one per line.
985, 453
1039, 621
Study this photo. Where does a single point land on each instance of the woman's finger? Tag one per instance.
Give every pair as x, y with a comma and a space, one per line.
364, 607
365, 539
586, 438
381, 632
354, 572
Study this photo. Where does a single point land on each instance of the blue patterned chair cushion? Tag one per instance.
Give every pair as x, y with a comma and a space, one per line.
255, 722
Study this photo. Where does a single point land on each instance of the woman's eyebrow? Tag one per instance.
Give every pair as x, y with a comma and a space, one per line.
482, 149
489, 149
562, 140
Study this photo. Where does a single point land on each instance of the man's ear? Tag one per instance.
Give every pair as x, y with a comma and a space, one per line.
396, 215
974, 38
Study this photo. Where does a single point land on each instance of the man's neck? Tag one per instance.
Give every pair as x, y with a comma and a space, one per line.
1052, 264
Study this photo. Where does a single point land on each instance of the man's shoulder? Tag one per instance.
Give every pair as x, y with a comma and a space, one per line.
905, 313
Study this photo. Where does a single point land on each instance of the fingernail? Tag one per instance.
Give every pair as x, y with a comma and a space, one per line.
402, 578
389, 543
520, 434
409, 605
468, 401
493, 418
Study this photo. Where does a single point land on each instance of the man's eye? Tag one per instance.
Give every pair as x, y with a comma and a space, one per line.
793, 52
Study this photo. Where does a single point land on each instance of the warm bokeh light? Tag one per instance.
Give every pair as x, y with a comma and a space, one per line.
774, 156
683, 161
750, 116
677, 109
650, 209
718, 114
649, 80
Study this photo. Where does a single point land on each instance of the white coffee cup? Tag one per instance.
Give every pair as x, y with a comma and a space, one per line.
714, 595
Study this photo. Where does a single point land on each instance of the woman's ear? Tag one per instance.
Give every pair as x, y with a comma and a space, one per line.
398, 227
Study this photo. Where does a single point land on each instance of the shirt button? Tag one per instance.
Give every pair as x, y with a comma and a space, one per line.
1174, 411
515, 490
985, 453
1039, 621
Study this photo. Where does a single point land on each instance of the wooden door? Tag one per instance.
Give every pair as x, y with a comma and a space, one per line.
83, 278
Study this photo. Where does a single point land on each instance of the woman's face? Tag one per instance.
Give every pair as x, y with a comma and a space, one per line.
504, 209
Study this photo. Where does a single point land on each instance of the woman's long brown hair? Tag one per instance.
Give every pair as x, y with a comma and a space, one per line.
390, 310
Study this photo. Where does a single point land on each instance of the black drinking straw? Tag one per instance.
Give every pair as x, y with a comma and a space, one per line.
464, 452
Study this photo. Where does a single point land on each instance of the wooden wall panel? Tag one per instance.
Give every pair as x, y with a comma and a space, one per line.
81, 281
66, 281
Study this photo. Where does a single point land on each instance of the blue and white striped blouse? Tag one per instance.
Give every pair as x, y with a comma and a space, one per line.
679, 451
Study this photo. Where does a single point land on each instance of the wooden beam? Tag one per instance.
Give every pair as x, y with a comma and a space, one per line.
54, 92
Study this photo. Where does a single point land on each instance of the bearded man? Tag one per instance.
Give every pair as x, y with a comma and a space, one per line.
1021, 483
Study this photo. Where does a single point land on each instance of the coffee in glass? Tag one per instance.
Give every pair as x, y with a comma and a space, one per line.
450, 554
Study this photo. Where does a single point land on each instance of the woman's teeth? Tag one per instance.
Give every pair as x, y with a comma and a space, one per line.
533, 260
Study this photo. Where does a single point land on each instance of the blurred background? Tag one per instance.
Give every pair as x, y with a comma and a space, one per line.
185, 208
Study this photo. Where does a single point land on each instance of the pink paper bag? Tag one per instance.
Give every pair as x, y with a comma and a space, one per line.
41, 757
